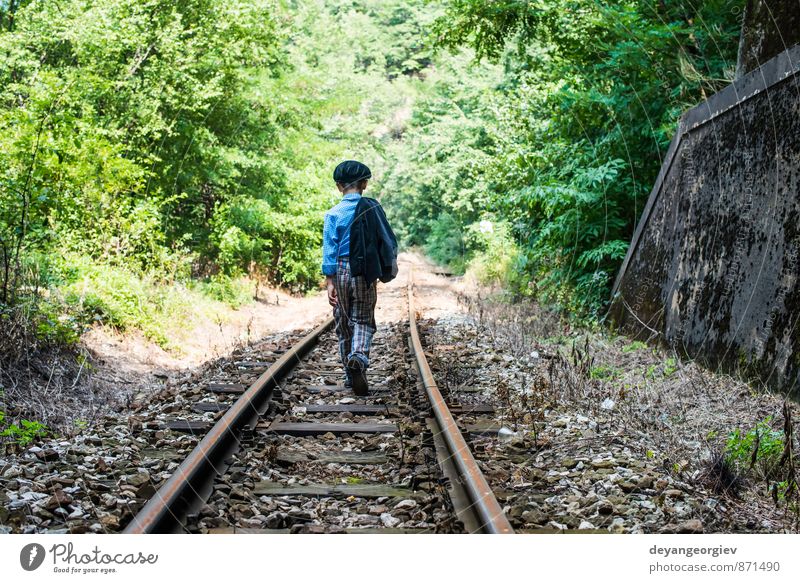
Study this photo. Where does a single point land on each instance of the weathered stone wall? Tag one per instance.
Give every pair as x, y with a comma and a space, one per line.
768, 27
713, 266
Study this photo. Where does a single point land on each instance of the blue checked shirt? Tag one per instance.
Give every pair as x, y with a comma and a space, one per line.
336, 233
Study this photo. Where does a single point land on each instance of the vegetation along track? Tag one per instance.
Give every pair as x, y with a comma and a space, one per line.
297, 452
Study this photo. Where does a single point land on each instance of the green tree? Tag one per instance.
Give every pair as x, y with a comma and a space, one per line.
589, 100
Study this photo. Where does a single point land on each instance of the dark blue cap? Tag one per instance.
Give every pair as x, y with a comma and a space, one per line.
351, 172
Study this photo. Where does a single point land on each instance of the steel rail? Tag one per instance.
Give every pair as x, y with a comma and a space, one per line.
191, 484
492, 518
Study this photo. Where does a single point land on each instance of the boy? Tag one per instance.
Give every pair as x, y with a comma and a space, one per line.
358, 247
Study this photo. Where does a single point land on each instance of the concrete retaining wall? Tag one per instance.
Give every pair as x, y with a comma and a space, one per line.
713, 266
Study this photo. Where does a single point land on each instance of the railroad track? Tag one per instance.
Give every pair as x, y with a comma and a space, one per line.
297, 452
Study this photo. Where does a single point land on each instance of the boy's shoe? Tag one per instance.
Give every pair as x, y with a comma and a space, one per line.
348, 382
358, 375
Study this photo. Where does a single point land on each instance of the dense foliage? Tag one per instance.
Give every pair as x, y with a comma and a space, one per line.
151, 144
562, 151
155, 149
129, 126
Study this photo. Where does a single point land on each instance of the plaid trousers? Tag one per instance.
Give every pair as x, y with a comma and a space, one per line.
355, 313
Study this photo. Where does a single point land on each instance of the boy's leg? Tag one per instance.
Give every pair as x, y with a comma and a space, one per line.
344, 328
362, 316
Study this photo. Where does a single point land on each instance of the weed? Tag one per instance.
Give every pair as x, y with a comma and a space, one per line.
503, 392
582, 360
26, 432
656, 371
604, 372
785, 489
722, 476
760, 448
650, 373
634, 346
271, 452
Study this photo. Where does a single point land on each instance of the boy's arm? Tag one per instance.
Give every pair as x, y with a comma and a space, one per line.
329, 251
330, 246
330, 286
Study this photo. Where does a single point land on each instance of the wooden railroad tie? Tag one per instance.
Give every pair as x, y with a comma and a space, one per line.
372, 458
338, 490
210, 407
193, 427
227, 388
316, 389
303, 429
311, 428
355, 409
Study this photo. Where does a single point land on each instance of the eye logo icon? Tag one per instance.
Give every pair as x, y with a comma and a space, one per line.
31, 556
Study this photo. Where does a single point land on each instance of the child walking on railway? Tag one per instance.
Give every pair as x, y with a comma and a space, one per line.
359, 247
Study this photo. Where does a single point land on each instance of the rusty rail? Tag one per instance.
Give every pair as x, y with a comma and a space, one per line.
491, 518
191, 484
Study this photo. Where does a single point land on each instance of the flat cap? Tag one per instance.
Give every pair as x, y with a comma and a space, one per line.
350, 172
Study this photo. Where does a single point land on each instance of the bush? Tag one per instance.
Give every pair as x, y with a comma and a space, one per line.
494, 252
446, 243
125, 300
25, 433
759, 449
233, 292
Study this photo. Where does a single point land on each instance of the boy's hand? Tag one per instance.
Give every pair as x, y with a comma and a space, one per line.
332, 299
